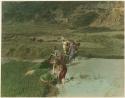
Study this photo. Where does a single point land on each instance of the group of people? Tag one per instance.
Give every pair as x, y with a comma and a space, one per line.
59, 59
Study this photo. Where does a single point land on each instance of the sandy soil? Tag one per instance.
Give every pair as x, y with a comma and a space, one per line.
94, 77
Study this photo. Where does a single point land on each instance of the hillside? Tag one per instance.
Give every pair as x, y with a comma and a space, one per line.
95, 14
31, 29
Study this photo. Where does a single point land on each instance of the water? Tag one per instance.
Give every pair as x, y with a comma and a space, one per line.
94, 77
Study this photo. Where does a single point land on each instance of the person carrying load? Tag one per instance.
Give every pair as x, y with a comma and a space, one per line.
65, 44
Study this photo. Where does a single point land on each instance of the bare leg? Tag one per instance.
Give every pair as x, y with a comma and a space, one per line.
53, 68
63, 81
58, 74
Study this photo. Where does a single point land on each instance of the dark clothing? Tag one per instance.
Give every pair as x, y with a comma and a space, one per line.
72, 52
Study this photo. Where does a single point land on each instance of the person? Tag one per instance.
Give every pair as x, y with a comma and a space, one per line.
53, 59
72, 50
62, 69
56, 52
59, 67
65, 44
77, 45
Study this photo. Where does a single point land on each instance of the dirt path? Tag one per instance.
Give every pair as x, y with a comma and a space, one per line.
94, 77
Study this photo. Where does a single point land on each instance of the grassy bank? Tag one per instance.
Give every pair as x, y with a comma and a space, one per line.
14, 82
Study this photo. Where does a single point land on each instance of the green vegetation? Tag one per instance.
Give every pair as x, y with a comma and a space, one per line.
16, 84
93, 44
74, 14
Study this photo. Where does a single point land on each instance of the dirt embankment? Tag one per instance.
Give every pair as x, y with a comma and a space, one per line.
94, 77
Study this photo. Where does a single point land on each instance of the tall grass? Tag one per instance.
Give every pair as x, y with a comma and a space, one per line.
14, 83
